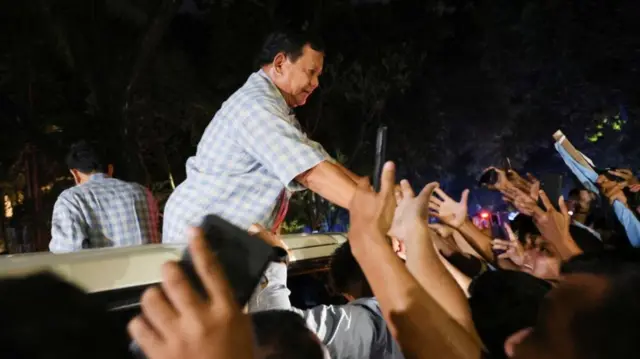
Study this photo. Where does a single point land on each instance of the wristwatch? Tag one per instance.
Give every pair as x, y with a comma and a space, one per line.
280, 255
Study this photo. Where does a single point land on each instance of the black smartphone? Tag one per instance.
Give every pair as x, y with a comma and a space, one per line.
551, 184
381, 156
243, 257
488, 178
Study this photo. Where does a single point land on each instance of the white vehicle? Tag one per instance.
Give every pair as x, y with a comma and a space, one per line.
118, 276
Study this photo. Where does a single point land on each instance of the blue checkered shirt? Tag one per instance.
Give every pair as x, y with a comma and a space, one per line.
103, 212
252, 150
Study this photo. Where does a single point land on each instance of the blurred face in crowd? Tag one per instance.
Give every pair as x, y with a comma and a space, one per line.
539, 259
552, 335
297, 79
581, 204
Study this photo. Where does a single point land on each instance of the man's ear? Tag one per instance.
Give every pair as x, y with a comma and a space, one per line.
278, 62
516, 338
76, 175
110, 170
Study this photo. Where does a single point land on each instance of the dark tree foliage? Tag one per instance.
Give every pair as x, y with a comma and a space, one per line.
462, 84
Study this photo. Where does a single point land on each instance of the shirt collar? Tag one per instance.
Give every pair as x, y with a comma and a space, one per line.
98, 176
275, 88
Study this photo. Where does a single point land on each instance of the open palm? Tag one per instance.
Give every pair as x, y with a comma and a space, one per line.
411, 211
447, 210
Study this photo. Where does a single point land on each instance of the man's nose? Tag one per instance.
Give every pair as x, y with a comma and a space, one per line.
315, 82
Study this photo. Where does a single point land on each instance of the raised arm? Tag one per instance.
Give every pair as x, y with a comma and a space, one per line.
423, 261
454, 214
418, 322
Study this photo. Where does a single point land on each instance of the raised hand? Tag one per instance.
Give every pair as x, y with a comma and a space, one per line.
522, 201
513, 249
447, 210
370, 211
178, 323
627, 175
412, 210
614, 191
554, 226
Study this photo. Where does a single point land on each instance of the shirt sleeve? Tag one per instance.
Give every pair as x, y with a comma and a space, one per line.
629, 221
68, 232
273, 138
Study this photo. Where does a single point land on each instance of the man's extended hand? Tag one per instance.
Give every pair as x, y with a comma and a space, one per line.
447, 210
412, 212
178, 323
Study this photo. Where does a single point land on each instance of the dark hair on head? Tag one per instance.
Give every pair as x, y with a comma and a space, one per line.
45, 317
284, 334
289, 42
574, 194
606, 262
585, 240
85, 158
502, 303
610, 328
345, 272
523, 225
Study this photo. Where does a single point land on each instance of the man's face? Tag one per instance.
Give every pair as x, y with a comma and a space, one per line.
539, 258
586, 198
552, 335
298, 79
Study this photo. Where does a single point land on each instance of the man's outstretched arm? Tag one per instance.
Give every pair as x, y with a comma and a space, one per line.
329, 181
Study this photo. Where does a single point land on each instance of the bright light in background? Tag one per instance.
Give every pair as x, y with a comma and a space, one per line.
484, 215
570, 213
513, 215
8, 207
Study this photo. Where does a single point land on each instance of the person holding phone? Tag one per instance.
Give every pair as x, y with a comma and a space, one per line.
254, 154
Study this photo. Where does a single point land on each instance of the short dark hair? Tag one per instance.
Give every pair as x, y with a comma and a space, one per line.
574, 194
523, 225
503, 302
290, 42
45, 317
284, 335
606, 262
86, 158
345, 272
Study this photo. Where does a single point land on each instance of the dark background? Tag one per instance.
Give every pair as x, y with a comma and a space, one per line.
461, 84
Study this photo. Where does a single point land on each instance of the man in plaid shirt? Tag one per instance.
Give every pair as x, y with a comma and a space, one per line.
253, 154
101, 211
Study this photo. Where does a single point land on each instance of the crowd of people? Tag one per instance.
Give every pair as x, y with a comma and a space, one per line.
419, 278
559, 286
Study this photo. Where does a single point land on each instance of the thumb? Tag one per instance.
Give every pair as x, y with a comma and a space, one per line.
465, 197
